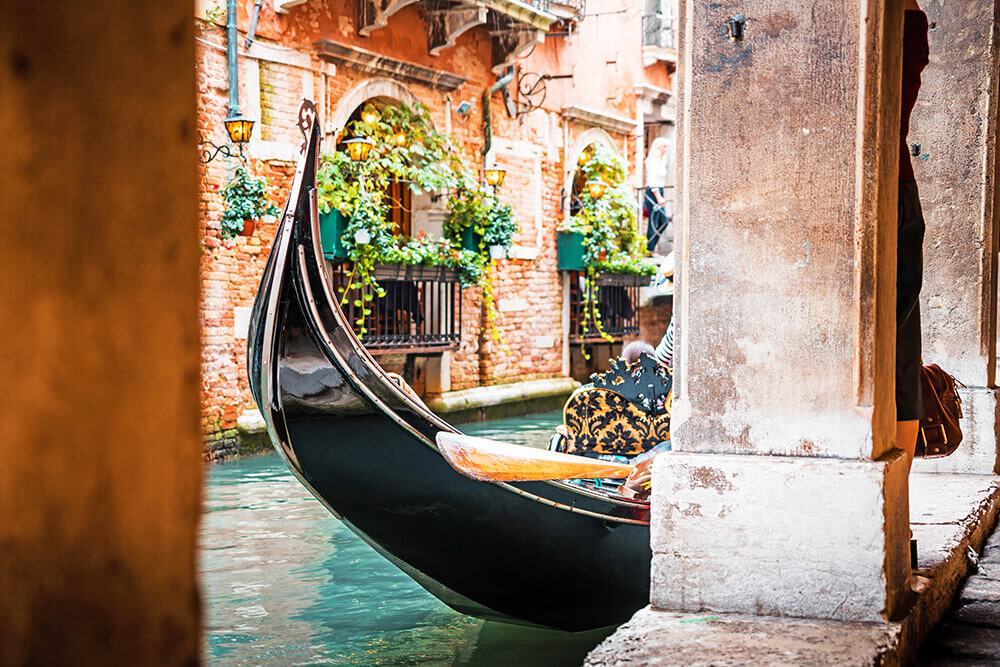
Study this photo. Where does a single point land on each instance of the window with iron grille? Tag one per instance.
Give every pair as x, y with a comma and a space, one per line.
618, 300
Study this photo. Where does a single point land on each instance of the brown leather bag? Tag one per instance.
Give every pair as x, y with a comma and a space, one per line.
940, 431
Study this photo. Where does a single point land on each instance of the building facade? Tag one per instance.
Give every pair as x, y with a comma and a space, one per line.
523, 87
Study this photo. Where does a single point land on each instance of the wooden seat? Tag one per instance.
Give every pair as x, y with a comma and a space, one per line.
624, 412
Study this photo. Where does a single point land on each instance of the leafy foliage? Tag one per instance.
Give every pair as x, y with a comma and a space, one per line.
245, 198
611, 240
406, 148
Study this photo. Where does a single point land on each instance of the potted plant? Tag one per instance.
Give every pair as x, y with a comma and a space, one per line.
246, 201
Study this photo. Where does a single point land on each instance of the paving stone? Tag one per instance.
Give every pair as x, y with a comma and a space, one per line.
978, 613
980, 589
972, 641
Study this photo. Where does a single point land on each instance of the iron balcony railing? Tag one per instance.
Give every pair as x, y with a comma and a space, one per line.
421, 310
658, 31
618, 301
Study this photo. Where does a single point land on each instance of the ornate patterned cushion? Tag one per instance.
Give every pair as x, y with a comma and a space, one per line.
602, 421
646, 383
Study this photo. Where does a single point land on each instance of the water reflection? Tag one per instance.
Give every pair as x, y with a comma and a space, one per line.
286, 583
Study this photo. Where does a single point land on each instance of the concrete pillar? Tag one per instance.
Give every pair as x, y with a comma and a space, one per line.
784, 495
955, 126
101, 475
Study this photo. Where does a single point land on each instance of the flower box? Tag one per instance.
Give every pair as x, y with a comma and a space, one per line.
622, 280
570, 251
410, 272
331, 229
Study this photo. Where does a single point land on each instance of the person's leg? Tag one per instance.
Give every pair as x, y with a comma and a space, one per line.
909, 276
906, 438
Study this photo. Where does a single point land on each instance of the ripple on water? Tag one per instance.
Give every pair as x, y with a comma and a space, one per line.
286, 583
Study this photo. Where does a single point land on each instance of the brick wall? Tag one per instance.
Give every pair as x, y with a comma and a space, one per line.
527, 286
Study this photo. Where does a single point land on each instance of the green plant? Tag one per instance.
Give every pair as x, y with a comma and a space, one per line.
337, 185
245, 198
216, 14
611, 241
406, 148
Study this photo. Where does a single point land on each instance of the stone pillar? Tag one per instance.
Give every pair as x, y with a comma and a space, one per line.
784, 495
955, 126
101, 476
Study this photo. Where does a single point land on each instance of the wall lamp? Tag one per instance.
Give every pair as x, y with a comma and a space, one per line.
239, 130
494, 176
358, 149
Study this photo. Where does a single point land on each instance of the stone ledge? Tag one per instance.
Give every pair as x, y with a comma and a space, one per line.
251, 432
503, 399
951, 512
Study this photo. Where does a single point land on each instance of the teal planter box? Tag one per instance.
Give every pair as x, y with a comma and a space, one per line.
331, 229
570, 251
470, 239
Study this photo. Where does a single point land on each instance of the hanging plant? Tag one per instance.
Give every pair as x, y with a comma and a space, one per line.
406, 148
245, 198
611, 241
492, 224
366, 234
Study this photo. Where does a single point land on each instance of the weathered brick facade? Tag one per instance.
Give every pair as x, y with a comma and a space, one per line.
283, 67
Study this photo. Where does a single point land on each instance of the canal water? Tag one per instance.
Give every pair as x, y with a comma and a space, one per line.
285, 583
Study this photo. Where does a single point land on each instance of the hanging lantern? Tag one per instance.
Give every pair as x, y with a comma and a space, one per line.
239, 129
370, 115
494, 176
596, 188
585, 156
359, 148
400, 138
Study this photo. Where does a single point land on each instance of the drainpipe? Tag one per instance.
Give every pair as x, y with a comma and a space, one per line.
234, 77
487, 144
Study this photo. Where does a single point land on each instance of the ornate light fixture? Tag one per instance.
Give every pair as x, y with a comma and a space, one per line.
596, 188
494, 176
370, 115
585, 156
400, 138
359, 148
239, 130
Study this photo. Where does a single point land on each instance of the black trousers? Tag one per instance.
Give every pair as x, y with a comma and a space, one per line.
657, 218
909, 277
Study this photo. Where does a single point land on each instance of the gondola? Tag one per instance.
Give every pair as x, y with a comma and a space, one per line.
556, 554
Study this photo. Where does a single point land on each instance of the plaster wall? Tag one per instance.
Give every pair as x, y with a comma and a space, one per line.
955, 125
785, 210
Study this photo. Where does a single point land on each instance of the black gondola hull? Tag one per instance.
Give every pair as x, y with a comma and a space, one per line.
549, 554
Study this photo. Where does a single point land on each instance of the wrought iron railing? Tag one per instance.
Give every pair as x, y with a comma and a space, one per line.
618, 302
658, 30
420, 312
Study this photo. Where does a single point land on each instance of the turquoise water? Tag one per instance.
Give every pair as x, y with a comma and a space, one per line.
284, 583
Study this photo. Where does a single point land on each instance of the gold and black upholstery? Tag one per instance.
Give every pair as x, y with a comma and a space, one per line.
624, 412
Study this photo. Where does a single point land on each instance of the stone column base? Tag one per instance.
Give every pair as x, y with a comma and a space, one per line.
780, 536
978, 452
